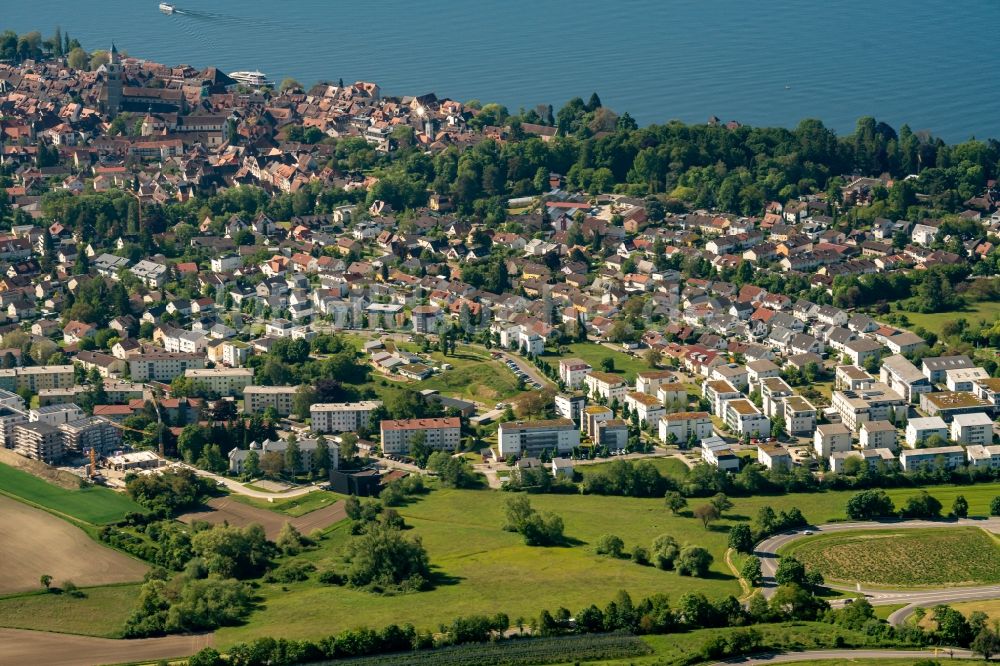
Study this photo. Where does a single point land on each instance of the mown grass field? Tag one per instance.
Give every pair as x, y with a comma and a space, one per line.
988, 310
94, 505
989, 606
293, 506
592, 353
101, 612
474, 375
904, 558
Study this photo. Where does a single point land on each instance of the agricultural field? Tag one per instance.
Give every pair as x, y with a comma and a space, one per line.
904, 558
102, 611
592, 353
93, 505
989, 606
34, 542
240, 513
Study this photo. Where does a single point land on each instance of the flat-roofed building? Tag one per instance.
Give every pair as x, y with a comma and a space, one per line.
715, 451
799, 415
611, 434
934, 367
257, 399
743, 417
327, 417
876, 402
948, 404
221, 381
920, 429
162, 366
37, 377
733, 373
38, 441
532, 438
758, 370
975, 428
773, 391
606, 385
872, 458
8, 419
983, 457
570, 405
572, 371
963, 379
94, 432
56, 414
831, 438
592, 416
444, 434
899, 374
878, 435
649, 409
949, 457
684, 425
988, 390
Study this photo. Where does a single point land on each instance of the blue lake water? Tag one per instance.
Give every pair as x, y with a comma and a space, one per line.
929, 64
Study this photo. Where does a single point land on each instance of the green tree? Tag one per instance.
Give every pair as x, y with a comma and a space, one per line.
382, 556
46, 581
321, 458
608, 364
694, 561
348, 447
665, 551
995, 506
869, 504
960, 507
741, 538
290, 540
706, 513
610, 545
750, 571
675, 501
293, 456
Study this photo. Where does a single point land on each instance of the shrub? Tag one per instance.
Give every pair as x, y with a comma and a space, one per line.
870, 504
610, 545
640, 555
291, 572
694, 561
665, 551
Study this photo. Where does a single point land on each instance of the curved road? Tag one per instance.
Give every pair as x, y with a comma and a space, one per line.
240, 489
845, 655
767, 551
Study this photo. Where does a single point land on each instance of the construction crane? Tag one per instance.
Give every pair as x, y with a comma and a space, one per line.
93, 463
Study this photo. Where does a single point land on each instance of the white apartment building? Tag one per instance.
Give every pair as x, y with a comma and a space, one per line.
718, 392
531, 438
878, 435
444, 434
55, 415
606, 385
37, 377
975, 428
831, 438
773, 456
963, 379
743, 417
570, 406
920, 429
257, 399
683, 424
672, 395
799, 415
342, 416
650, 381
877, 402
983, 456
950, 456
222, 381
572, 371
649, 409
773, 391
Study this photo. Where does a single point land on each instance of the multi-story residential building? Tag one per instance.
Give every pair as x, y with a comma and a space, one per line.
443, 434
743, 417
976, 428
682, 425
592, 416
672, 395
949, 404
257, 399
948, 456
650, 381
773, 391
151, 274
426, 318
39, 441
733, 373
718, 392
570, 405
934, 367
162, 366
572, 371
773, 456
611, 434
988, 390
799, 415
531, 438
878, 435
238, 457
877, 402
606, 385
221, 381
235, 353
984, 457
860, 351
185, 342
918, 430
899, 374
831, 438
852, 378
342, 416
56, 414
37, 377
718, 453
760, 369
11, 400
8, 419
870, 457
95, 433
649, 409
963, 379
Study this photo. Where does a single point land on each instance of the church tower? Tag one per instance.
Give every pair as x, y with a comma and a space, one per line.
113, 82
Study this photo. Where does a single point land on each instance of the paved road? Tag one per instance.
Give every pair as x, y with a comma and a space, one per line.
845, 655
18, 646
767, 552
526, 367
237, 487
